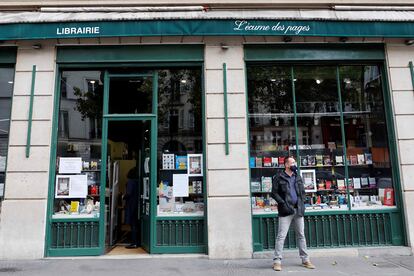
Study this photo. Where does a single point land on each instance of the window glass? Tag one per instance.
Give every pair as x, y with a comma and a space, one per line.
180, 143
6, 92
272, 131
329, 172
321, 153
78, 153
370, 175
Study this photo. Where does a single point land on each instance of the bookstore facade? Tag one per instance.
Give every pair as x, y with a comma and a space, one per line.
190, 129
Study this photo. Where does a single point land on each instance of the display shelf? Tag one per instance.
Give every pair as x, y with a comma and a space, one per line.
261, 192
91, 170
374, 207
267, 168
181, 170
181, 214
74, 216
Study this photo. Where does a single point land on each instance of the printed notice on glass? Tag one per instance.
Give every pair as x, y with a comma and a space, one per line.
71, 186
180, 185
70, 165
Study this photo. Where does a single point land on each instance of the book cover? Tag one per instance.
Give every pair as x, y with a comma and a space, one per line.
267, 161
327, 160
74, 206
252, 162
312, 160
281, 161
353, 160
328, 184
304, 161
361, 159
181, 162
357, 182
259, 162
275, 162
255, 186
368, 158
266, 184
339, 160
372, 182
168, 161
351, 183
319, 160
341, 184
364, 182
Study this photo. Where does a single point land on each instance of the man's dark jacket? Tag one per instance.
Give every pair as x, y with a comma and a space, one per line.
281, 193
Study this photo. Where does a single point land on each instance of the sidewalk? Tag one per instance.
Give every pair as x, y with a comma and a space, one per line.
337, 265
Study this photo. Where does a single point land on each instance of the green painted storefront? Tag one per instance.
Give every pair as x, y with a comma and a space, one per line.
80, 237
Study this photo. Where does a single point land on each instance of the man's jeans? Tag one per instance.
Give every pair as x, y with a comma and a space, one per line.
284, 224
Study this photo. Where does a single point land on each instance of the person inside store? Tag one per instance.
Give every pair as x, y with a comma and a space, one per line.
289, 193
131, 206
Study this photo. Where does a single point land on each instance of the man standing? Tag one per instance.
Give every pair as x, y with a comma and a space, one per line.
289, 193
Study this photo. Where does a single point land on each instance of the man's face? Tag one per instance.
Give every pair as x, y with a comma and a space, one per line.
290, 162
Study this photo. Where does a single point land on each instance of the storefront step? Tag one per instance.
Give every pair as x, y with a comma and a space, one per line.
343, 252
134, 256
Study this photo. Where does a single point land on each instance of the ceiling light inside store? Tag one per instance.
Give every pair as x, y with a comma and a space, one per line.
10, 82
272, 80
92, 81
318, 81
183, 81
347, 81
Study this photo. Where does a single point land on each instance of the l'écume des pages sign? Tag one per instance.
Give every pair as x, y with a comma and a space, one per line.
277, 27
205, 27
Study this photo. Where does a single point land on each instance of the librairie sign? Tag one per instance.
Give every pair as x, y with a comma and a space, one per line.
205, 28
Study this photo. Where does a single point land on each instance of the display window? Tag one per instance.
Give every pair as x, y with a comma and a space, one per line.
6, 93
180, 144
337, 134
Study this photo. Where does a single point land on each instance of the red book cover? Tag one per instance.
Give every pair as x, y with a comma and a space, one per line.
267, 161
389, 197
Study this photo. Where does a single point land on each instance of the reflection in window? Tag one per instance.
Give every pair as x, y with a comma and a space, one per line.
320, 150
6, 92
79, 135
370, 175
180, 145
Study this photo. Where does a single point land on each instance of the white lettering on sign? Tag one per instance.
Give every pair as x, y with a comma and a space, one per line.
77, 30
244, 25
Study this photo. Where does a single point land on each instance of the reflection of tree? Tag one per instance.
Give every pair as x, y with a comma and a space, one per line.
269, 90
89, 103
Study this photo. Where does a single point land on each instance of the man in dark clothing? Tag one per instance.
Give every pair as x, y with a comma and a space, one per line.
289, 193
131, 206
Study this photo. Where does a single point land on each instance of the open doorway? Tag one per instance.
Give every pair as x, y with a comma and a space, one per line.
127, 188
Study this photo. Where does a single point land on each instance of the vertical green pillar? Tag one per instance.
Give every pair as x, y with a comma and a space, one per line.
226, 119
29, 122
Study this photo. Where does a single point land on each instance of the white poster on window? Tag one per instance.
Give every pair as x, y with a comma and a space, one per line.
71, 186
70, 165
180, 185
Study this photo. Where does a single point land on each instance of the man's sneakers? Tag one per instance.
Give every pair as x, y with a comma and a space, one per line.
277, 266
309, 265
